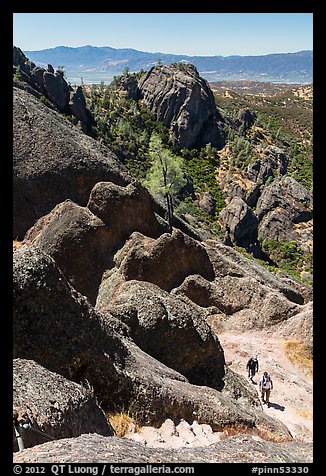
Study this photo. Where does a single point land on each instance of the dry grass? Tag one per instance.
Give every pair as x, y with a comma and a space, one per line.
231, 429
236, 428
16, 244
298, 353
122, 423
305, 414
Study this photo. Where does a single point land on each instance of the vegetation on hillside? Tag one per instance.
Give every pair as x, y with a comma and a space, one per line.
127, 128
286, 121
283, 120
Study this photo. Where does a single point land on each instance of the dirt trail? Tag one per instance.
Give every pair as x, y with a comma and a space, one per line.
292, 397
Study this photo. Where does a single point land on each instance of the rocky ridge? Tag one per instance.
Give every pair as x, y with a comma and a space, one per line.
51, 86
98, 266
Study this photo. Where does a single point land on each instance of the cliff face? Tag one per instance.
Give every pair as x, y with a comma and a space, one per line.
180, 98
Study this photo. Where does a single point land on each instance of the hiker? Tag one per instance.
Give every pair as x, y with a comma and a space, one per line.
252, 367
265, 387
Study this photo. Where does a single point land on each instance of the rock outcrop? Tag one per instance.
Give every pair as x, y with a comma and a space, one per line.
273, 164
62, 327
246, 118
298, 327
53, 161
176, 256
172, 331
179, 97
98, 449
52, 86
85, 238
54, 405
284, 210
240, 222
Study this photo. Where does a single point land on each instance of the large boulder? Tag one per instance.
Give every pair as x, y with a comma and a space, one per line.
53, 161
82, 240
285, 212
240, 222
79, 242
54, 405
180, 98
241, 302
207, 203
77, 106
165, 261
57, 89
126, 209
246, 118
171, 330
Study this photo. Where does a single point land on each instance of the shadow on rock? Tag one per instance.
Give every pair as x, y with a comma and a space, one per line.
277, 406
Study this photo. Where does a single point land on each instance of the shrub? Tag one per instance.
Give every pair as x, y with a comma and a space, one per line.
122, 423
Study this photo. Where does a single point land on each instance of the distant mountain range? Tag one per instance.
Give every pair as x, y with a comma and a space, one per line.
284, 67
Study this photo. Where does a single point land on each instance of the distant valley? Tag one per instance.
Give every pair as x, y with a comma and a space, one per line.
96, 64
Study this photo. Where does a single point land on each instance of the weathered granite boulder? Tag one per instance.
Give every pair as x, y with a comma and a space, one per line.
241, 302
240, 222
54, 405
37, 74
227, 262
79, 242
57, 89
83, 240
180, 98
273, 164
171, 330
53, 161
77, 106
285, 212
99, 449
126, 209
175, 255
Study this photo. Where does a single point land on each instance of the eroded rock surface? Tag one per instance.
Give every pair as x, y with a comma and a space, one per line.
56, 406
62, 328
180, 98
172, 331
96, 449
53, 161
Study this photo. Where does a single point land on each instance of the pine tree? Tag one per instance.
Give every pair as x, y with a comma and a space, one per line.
165, 176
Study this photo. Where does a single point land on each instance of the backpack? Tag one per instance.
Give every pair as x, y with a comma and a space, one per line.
252, 363
266, 379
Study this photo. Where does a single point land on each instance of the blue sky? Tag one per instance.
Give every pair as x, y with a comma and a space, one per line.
181, 33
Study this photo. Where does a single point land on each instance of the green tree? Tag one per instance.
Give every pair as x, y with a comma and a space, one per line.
165, 177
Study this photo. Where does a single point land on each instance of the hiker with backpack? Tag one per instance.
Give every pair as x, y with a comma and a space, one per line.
252, 367
265, 387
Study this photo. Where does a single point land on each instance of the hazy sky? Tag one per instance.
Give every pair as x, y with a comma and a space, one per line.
181, 33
